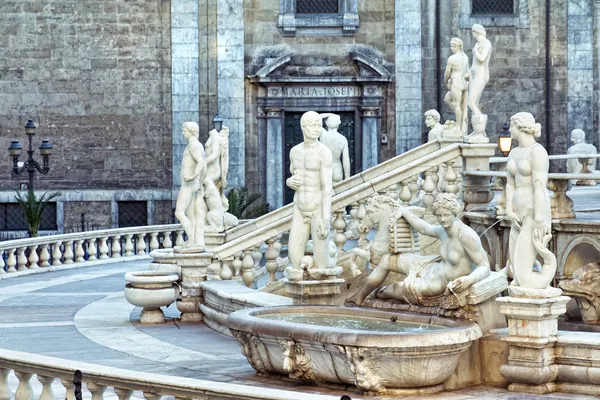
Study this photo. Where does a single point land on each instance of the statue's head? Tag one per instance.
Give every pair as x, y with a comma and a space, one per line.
333, 121
190, 129
311, 125
478, 29
577, 136
456, 44
446, 207
432, 117
524, 123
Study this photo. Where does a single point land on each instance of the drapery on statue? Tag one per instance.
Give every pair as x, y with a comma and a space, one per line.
528, 206
217, 160
457, 70
461, 263
188, 208
311, 168
338, 144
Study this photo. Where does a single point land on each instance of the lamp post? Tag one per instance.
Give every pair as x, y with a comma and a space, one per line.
30, 165
504, 140
217, 122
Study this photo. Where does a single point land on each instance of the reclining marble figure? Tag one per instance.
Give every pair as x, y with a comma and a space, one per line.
461, 263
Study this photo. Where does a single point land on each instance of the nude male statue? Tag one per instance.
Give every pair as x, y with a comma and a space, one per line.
312, 171
338, 144
456, 71
217, 159
188, 208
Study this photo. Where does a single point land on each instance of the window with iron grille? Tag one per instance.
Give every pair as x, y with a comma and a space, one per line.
317, 6
12, 218
493, 7
132, 213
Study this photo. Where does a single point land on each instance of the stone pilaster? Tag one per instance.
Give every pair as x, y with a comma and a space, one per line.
532, 327
194, 268
477, 193
230, 82
370, 136
274, 164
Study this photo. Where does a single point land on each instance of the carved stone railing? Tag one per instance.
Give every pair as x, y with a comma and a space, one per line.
102, 381
85, 247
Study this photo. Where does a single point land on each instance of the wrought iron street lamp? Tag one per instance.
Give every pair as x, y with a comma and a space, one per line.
504, 140
217, 122
30, 165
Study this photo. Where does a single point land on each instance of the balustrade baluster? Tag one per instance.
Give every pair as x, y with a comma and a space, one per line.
96, 390
413, 186
141, 244
103, 248
2, 264
405, 194
257, 255
429, 188
450, 177
360, 215
436, 179
11, 261
24, 390
116, 246
68, 252
271, 256
47, 393
237, 263
92, 250
154, 241
247, 264
226, 272
79, 253
167, 243
44, 256
57, 254
339, 224
151, 396
123, 394
5, 391
33, 257
128, 245
21, 260
70, 388
179, 238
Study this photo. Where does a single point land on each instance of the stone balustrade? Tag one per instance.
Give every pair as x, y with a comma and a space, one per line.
85, 247
55, 377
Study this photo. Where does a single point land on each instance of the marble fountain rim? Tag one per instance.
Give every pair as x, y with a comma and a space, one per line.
456, 331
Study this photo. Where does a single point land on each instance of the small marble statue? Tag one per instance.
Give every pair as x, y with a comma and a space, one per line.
479, 123
584, 287
217, 159
576, 165
528, 206
479, 74
338, 144
461, 263
456, 71
188, 209
311, 168
432, 121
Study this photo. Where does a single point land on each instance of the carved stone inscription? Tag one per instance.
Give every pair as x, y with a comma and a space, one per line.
314, 91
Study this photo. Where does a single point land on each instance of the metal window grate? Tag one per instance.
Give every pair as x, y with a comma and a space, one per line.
12, 218
317, 6
133, 213
493, 7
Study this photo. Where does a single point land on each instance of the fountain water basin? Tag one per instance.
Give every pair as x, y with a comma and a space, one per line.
380, 352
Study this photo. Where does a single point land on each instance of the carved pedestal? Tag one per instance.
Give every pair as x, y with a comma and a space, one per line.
193, 272
477, 193
532, 327
313, 292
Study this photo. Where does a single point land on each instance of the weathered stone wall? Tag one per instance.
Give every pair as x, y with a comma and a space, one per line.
96, 215
95, 75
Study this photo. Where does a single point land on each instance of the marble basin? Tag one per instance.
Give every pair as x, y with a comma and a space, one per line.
151, 290
380, 352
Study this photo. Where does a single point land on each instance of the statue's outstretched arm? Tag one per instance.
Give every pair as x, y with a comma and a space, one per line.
420, 225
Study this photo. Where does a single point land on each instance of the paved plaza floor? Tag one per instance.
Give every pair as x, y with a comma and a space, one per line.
82, 315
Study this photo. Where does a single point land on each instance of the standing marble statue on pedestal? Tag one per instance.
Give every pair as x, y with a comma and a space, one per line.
188, 209
479, 76
217, 160
432, 121
456, 72
312, 171
338, 144
528, 206
576, 165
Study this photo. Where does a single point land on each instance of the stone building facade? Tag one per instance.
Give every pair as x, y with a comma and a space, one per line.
111, 83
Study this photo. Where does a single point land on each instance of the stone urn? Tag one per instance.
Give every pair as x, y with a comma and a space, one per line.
151, 290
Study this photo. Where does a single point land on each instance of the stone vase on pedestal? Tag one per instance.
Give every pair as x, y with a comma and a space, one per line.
532, 328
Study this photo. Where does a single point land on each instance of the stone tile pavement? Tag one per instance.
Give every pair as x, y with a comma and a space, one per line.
81, 315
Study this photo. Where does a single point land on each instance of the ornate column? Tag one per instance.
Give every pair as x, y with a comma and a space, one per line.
370, 136
274, 167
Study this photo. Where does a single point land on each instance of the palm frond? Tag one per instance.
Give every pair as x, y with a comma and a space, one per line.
34, 208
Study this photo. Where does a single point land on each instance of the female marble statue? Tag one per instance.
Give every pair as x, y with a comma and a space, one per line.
461, 263
456, 71
528, 205
479, 75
